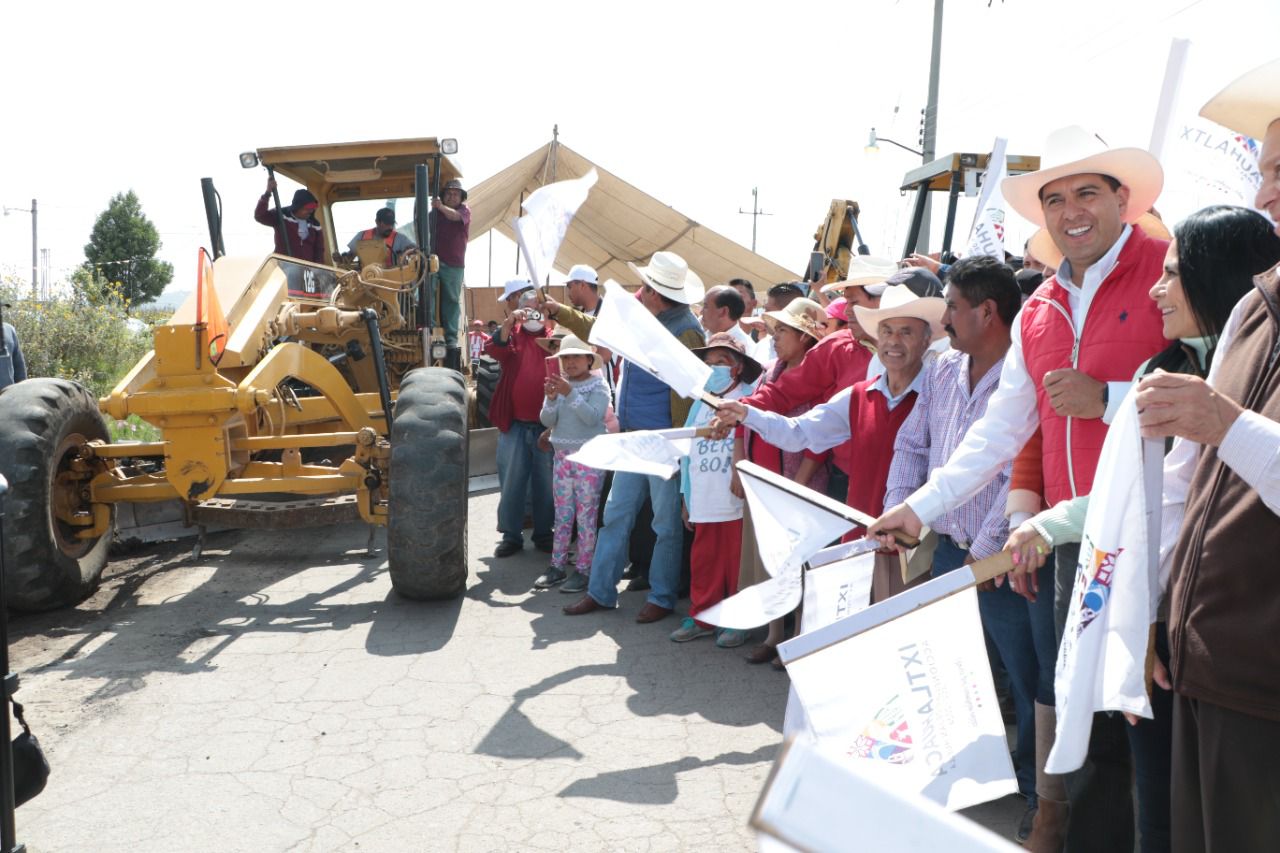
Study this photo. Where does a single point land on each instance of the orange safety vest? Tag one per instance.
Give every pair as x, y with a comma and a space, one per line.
390, 241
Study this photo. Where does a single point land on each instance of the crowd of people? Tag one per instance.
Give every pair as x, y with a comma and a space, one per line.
972, 397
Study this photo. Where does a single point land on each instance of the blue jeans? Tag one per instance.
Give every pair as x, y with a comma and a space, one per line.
524, 473
626, 496
1005, 617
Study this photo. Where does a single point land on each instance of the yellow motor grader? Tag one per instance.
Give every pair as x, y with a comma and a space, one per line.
316, 397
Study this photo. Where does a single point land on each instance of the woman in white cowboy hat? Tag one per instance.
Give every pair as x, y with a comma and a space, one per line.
795, 330
574, 411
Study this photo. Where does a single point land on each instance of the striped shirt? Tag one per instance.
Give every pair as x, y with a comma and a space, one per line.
944, 411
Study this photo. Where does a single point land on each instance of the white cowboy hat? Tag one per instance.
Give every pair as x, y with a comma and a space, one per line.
1249, 104
668, 274
864, 270
900, 301
803, 315
515, 285
1074, 151
573, 345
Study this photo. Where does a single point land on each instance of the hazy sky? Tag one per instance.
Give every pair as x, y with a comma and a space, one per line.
695, 103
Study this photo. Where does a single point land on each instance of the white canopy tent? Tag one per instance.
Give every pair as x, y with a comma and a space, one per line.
616, 224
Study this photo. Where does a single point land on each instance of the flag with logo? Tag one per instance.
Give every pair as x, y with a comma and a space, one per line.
1204, 163
911, 705
548, 212
627, 328
1102, 657
987, 235
209, 311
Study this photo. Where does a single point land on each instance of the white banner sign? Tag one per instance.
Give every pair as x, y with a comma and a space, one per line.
987, 236
911, 705
655, 453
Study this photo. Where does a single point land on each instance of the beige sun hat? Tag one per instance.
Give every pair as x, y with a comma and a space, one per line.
1074, 151
574, 345
803, 315
668, 274
1250, 103
864, 270
901, 301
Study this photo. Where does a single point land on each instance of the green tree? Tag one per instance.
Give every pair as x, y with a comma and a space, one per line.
122, 248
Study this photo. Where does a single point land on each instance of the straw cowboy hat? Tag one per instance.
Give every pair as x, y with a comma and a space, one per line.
514, 286
668, 274
1250, 103
552, 342
803, 315
1041, 244
572, 345
1074, 151
751, 368
864, 270
899, 300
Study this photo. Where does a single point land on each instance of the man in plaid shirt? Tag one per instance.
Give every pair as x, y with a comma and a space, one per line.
982, 300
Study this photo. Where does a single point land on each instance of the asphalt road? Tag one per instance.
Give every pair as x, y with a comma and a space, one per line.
277, 695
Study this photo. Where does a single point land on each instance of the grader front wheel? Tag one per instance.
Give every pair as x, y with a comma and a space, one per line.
427, 531
44, 423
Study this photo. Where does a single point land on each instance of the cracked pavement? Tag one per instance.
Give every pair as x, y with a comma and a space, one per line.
277, 695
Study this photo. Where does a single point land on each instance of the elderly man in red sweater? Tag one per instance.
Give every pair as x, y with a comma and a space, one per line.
1075, 347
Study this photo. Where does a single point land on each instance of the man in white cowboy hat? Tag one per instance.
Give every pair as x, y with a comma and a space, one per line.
1222, 481
862, 420
450, 231
982, 299
1075, 347
668, 287
524, 469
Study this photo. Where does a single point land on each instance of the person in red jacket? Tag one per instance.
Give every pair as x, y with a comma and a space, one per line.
524, 469
1075, 347
298, 233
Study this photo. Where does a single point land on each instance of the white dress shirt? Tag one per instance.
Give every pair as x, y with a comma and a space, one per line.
824, 426
1013, 412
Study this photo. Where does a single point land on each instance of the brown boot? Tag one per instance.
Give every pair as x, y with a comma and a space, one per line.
1049, 830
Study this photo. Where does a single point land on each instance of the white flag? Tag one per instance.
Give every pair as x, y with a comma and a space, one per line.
548, 212
911, 705
812, 801
654, 453
987, 236
626, 328
1102, 658
1204, 163
792, 523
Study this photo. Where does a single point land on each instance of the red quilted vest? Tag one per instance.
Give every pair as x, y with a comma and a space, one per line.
872, 428
1123, 329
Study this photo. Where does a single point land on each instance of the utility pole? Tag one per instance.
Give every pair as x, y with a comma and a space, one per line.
35, 252
929, 139
755, 213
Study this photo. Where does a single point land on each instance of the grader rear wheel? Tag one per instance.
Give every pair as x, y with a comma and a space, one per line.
44, 423
427, 530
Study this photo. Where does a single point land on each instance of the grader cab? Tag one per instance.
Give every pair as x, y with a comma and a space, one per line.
287, 394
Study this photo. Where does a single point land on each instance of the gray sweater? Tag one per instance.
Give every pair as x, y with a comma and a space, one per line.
578, 416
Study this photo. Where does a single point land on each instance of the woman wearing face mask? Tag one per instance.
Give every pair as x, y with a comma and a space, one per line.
711, 510
1209, 267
